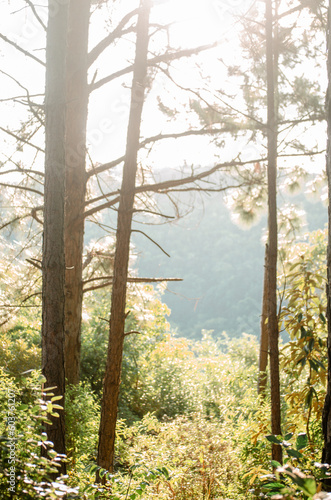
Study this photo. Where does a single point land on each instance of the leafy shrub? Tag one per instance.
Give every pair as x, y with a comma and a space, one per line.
24, 473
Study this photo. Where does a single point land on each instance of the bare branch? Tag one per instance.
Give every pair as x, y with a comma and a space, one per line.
133, 279
167, 57
15, 98
23, 188
109, 282
34, 214
25, 52
6, 224
94, 210
20, 169
150, 239
259, 124
35, 264
36, 14
228, 127
117, 33
21, 139
105, 166
187, 133
166, 186
132, 331
146, 211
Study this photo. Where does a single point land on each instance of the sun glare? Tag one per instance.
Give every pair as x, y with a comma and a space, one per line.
195, 21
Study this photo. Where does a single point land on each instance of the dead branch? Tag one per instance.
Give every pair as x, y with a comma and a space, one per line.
15, 98
36, 14
166, 186
105, 166
150, 239
163, 58
132, 331
109, 39
21, 139
6, 224
21, 170
146, 211
24, 188
228, 127
109, 281
25, 52
35, 263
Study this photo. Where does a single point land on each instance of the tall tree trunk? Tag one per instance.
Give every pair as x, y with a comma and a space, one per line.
326, 455
76, 119
53, 295
273, 236
264, 343
111, 383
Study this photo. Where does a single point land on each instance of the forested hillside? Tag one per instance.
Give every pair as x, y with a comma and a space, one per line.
220, 262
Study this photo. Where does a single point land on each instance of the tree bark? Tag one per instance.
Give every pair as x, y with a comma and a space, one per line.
53, 265
273, 236
264, 343
111, 383
75, 150
326, 455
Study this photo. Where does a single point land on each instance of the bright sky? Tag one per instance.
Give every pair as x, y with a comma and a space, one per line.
196, 22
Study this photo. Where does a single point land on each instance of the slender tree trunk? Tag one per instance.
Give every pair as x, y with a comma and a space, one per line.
326, 456
53, 244
76, 119
273, 237
264, 343
111, 383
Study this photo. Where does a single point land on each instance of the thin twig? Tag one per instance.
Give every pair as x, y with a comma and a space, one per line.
36, 14
25, 52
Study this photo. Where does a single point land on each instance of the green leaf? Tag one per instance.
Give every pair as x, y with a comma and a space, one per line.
93, 468
303, 332
56, 398
319, 363
273, 439
309, 486
322, 318
288, 436
313, 365
311, 344
302, 361
301, 441
273, 486
294, 453
275, 464
22, 407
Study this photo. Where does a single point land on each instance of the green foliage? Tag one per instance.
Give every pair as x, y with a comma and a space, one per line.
20, 347
191, 424
304, 357
147, 318
24, 473
82, 425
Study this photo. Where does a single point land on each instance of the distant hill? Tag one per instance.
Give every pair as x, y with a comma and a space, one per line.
221, 264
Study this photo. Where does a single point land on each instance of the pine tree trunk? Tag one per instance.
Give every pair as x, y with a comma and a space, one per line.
111, 383
53, 294
264, 343
273, 237
326, 455
76, 119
